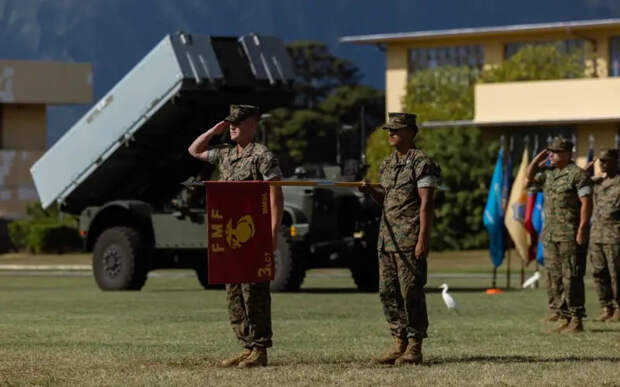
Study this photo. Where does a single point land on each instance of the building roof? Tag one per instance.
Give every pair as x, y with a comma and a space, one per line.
571, 26
499, 123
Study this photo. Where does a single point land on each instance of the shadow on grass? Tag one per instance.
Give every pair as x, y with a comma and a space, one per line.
520, 359
195, 290
329, 290
324, 290
354, 290
603, 330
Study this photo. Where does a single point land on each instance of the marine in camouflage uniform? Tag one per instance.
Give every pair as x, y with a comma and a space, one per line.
402, 274
565, 259
249, 304
604, 248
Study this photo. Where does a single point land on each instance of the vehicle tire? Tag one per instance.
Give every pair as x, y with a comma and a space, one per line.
290, 264
365, 269
120, 259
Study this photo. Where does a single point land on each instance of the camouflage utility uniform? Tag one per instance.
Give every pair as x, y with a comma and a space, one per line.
604, 247
402, 277
249, 305
565, 260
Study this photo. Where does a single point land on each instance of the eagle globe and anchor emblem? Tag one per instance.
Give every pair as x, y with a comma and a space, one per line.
242, 232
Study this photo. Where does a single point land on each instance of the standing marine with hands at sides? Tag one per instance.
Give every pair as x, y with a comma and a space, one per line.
249, 305
408, 179
567, 190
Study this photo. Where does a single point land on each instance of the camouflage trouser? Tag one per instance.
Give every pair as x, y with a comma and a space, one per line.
605, 260
401, 288
249, 309
554, 293
566, 265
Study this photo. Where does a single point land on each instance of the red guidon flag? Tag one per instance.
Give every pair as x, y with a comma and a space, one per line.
238, 223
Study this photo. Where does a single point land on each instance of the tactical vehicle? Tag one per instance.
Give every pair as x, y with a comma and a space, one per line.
120, 167
327, 227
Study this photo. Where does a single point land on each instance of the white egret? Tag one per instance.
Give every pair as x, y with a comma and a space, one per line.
532, 280
447, 299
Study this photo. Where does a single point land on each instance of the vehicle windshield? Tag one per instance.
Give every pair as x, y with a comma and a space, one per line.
315, 171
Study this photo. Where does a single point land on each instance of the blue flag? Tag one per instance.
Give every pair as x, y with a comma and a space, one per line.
538, 221
493, 218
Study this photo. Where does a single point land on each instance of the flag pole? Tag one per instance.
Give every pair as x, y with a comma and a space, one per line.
302, 183
313, 183
508, 270
522, 273
537, 268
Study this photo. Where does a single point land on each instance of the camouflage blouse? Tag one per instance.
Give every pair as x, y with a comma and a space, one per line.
606, 214
255, 162
562, 189
400, 178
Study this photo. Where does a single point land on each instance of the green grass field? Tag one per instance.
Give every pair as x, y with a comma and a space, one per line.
472, 261
64, 331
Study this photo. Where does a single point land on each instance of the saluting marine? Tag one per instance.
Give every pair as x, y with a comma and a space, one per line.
604, 249
249, 305
567, 190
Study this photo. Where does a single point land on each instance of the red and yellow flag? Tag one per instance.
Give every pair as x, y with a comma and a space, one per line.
238, 223
516, 209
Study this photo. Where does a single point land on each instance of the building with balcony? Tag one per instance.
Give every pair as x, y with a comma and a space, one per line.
585, 109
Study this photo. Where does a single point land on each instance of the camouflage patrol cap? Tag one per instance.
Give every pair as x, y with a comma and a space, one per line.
401, 121
560, 144
608, 154
240, 113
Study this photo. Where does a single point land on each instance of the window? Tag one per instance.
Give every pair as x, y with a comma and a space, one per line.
429, 58
567, 46
614, 56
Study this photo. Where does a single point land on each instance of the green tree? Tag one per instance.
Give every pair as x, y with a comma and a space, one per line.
327, 97
318, 72
302, 135
344, 103
446, 94
537, 63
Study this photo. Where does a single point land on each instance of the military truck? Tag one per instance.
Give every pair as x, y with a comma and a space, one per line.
120, 167
325, 226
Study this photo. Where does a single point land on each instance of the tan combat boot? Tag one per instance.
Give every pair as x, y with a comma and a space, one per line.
400, 345
553, 317
575, 326
606, 314
413, 353
564, 323
616, 316
235, 360
258, 358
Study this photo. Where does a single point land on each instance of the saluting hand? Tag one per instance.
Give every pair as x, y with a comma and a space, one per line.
220, 127
542, 156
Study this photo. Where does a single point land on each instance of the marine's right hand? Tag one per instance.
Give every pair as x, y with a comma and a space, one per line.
541, 156
220, 127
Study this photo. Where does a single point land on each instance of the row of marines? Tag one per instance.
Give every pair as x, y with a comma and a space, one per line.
408, 180
582, 217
